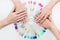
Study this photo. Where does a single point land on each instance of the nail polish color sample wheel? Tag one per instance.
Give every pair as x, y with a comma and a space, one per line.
31, 30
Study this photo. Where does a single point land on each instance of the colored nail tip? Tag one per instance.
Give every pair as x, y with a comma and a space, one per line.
40, 8
35, 37
15, 24
31, 37
34, 3
44, 30
40, 5
30, 2
24, 36
16, 27
40, 34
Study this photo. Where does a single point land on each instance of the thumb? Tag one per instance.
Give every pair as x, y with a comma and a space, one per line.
12, 10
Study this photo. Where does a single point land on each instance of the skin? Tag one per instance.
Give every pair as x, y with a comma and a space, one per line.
20, 6
8, 20
50, 25
47, 10
44, 19
14, 16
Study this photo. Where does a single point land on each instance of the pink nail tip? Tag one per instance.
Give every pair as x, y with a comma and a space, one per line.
34, 3
30, 2
40, 5
41, 9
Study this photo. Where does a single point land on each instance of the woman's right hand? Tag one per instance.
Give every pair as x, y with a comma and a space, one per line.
16, 16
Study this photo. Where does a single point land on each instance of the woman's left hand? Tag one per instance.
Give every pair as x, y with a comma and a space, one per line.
45, 12
46, 22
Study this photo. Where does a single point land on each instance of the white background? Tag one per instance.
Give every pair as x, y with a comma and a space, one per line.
9, 33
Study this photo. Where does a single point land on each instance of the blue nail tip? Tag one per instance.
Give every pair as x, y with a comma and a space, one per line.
44, 30
35, 37
24, 36
31, 37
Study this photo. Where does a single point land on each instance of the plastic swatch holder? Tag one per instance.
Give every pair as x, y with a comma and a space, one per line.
30, 30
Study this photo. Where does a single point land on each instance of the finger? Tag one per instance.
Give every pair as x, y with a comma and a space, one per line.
20, 19
44, 18
20, 11
20, 14
50, 17
37, 15
44, 23
40, 18
40, 21
12, 9
23, 16
24, 20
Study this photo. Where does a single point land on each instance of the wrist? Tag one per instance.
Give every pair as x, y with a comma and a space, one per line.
52, 27
3, 23
8, 21
56, 0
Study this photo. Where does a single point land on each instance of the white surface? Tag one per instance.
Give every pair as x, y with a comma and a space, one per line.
56, 15
9, 33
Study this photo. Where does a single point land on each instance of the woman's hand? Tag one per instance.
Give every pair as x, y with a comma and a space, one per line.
47, 10
20, 6
17, 16
47, 23
13, 17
